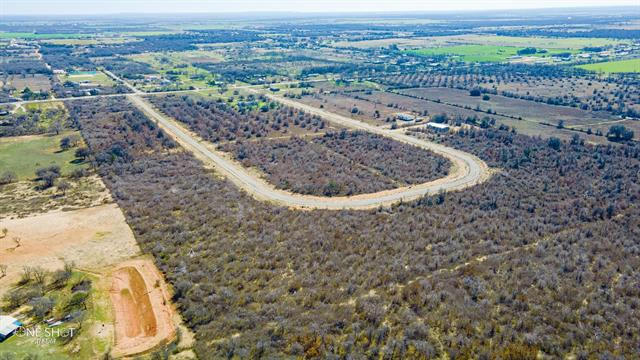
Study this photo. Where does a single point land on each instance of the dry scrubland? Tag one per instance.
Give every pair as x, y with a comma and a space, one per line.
543, 84
539, 247
336, 164
217, 121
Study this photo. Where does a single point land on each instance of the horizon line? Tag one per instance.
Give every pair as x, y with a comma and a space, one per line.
309, 12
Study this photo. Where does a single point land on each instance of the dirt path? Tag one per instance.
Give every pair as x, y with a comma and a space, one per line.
466, 170
144, 318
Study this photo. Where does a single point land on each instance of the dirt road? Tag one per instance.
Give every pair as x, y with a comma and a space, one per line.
467, 170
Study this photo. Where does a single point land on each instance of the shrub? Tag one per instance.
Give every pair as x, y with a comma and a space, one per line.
8, 177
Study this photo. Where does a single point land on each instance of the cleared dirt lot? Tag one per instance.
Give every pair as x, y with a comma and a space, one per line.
144, 318
401, 103
34, 82
343, 105
92, 238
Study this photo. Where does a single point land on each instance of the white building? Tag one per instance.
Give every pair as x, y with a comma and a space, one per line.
438, 127
8, 325
405, 117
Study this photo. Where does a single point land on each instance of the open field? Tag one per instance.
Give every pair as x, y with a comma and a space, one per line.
501, 105
100, 246
93, 238
533, 41
35, 82
633, 125
480, 53
178, 68
25, 154
91, 41
622, 66
400, 103
88, 78
32, 36
367, 111
475, 39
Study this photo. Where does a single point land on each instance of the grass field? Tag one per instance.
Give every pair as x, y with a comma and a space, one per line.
92, 41
47, 112
178, 66
25, 154
88, 77
474, 39
621, 66
535, 41
44, 106
479, 53
32, 36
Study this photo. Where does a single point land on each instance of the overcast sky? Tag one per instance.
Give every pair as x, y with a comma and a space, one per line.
53, 7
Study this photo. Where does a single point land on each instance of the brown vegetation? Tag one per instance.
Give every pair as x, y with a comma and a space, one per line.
218, 121
344, 163
527, 262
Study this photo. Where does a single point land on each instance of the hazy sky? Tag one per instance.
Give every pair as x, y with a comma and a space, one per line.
53, 7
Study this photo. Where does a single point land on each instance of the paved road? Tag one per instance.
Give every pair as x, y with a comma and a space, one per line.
467, 170
125, 83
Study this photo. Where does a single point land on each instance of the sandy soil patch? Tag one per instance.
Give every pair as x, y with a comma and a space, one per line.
23, 198
93, 238
144, 318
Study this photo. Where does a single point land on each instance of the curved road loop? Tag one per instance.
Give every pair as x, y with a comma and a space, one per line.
466, 170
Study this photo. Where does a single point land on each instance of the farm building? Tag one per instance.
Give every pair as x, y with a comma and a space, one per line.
8, 325
405, 117
438, 127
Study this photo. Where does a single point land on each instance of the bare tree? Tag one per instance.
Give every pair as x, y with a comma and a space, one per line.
3, 270
39, 274
64, 186
56, 127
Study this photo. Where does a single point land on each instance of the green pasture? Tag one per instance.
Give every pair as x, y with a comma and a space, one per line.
621, 66
87, 77
23, 155
32, 36
481, 53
